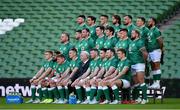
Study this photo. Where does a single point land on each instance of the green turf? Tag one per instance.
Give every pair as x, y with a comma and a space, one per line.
169, 103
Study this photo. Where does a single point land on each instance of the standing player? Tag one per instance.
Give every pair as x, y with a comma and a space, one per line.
140, 23
116, 21
35, 85
91, 21
138, 56
101, 38
128, 24
65, 45
111, 39
104, 21
124, 41
81, 22
79, 39
155, 50
88, 43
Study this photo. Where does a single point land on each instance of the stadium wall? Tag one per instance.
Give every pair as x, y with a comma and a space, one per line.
8, 85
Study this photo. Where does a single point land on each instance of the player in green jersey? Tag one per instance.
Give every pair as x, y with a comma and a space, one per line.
87, 43
155, 50
45, 79
121, 77
116, 23
65, 45
108, 69
97, 78
104, 20
138, 56
127, 23
91, 22
111, 40
101, 38
61, 73
79, 39
140, 23
81, 22
89, 74
36, 84
124, 41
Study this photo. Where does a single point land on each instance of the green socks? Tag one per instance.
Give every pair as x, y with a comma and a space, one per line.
61, 92
50, 92
66, 92
135, 92
116, 92
56, 93
144, 90
107, 93
45, 92
99, 93
33, 91
79, 93
92, 92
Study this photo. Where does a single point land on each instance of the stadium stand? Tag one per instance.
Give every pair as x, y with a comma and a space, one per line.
171, 38
21, 48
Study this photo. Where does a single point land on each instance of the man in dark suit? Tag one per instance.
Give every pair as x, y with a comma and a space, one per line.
84, 65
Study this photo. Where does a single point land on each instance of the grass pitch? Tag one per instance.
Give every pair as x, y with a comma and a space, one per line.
169, 104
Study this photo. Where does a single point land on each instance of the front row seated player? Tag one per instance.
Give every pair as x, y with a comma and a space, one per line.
36, 84
120, 78
107, 67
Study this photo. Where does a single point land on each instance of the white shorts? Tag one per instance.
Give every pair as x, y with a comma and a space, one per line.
139, 67
55, 79
126, 83
155, 56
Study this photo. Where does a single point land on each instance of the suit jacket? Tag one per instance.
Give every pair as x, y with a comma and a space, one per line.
82, 69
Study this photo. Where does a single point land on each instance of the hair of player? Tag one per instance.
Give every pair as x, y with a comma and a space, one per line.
122, 50
129, 16
60, 56
111, 29
142, 18
103, 49
79, 31
82, 16
123, 29
106, 16
87, 29
67, 34
154, 19
117, 17
74, 50
100, 27
94, 49
56, 52
137, 32
112, 50
49, 51
92, 18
